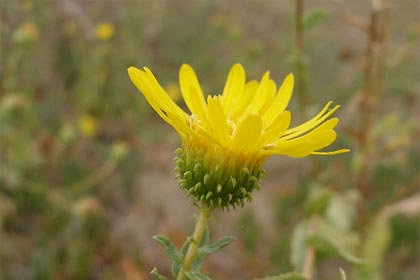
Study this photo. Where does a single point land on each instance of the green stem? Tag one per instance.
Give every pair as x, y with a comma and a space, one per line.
200, 227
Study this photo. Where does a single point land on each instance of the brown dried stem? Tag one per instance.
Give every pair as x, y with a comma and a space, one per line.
301, 71
373, 69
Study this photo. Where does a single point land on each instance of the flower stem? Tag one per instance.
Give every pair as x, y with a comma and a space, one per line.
199, 229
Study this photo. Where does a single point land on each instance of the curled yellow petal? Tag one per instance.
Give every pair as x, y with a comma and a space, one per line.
191, 91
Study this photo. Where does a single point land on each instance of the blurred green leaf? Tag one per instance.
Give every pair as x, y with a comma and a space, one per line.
286, 276
342, 210
334, 241
318, 200
313, 18
376, 244
299, 245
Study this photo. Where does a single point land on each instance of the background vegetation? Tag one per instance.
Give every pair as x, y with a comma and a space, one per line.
86, 167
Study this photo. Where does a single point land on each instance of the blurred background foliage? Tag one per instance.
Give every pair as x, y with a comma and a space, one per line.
85, 165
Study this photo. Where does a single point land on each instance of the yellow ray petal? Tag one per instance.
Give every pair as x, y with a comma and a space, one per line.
327, 125
162, 97
158, 99
234, 87
196, 105
180, 125
280, 101
308, 125
191, 91
141, 81
217, 121
336, 152
238, 109
247, 132
316, 139
305, 145
265, 89
276, 129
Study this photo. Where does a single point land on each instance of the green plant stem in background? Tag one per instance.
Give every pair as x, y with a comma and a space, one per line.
199, 230
310, 254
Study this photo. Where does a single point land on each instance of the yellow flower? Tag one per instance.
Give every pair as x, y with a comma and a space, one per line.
105, 31
230, 135
26, 33
88, 126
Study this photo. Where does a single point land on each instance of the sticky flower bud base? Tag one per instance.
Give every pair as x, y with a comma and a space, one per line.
217, 180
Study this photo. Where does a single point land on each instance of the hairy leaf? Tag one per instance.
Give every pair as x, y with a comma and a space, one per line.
213, 248
170, 249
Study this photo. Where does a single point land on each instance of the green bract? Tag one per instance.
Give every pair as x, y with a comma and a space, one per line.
213, 185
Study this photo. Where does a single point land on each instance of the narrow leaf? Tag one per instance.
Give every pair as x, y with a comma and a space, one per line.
210, 249
170, 249
195, 275
157, 275
176, 265
342, 274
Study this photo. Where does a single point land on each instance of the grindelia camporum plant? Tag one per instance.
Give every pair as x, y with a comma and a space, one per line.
226, 139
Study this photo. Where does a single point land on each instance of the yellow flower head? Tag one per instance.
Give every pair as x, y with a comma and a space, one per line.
26, 33
105, 31
88, 126
229, 136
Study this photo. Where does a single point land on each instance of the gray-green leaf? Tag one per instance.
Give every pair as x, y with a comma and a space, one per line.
195, 275
157, 275
213, 248
170, 249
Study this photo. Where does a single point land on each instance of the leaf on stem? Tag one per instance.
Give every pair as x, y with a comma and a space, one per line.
157, 275
333, 241
342, 274
213, 248
176, 265
170, 249
195, 275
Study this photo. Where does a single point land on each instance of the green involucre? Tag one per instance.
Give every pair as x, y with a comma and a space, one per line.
216, 185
